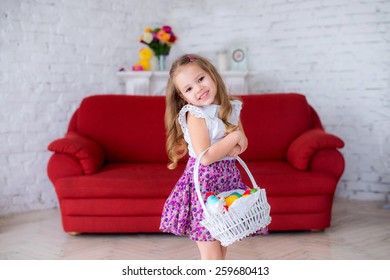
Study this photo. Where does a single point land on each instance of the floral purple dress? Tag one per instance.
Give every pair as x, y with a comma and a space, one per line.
182, 211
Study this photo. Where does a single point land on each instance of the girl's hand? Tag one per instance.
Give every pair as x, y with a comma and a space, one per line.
241, 146
242, 143
234, 152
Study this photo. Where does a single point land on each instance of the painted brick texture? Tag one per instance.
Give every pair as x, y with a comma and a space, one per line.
54, 53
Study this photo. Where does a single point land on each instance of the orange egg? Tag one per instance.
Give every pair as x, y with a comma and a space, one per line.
230, 199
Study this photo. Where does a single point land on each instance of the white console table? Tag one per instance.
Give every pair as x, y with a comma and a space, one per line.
154, 82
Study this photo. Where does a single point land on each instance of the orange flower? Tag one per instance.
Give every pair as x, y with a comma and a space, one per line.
159, 40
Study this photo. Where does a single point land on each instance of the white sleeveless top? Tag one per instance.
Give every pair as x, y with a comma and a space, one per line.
214, 124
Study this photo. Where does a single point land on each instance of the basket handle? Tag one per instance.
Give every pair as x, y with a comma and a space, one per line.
196, 177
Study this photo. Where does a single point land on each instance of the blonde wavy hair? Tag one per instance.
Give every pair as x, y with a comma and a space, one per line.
176, 146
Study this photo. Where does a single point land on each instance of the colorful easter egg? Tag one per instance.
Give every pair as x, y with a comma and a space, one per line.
212, 199
247, 192
209, 194
215, 206
237, 194
230, 199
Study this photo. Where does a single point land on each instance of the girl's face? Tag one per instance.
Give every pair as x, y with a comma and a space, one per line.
195, 85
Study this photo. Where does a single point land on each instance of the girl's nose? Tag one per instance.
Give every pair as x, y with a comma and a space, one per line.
200, 88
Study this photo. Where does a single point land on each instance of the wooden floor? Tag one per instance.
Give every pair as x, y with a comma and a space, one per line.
360, 230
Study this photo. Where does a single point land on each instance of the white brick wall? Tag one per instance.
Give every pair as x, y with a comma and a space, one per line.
335, 52
53, 53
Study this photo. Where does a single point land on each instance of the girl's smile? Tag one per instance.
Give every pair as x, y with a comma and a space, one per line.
195, 85
204, 95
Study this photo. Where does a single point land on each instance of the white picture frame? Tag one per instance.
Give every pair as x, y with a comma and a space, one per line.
238, 58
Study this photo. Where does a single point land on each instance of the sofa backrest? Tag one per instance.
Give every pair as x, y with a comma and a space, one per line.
131, 128
271, 122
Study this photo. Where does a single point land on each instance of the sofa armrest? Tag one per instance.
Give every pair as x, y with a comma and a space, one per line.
302, 149
86, 151
63, 165
329, 161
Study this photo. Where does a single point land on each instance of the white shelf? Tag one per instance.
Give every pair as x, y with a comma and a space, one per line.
154, 82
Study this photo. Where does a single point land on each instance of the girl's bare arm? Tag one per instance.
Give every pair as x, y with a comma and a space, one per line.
201, 140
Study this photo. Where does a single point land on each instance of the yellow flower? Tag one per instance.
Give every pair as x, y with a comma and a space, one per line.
148, 29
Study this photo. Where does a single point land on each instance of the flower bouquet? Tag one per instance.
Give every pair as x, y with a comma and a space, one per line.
160, 41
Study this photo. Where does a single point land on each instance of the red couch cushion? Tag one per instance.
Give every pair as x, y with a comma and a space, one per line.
112, 207
302, 149
130, 129
155, 180
106, 119
122, 181
281, 179
271, 122
89, 154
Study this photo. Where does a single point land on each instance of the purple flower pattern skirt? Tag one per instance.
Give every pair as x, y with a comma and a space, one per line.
182, 211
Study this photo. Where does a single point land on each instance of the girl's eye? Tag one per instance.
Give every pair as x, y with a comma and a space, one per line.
201, 79
188, 89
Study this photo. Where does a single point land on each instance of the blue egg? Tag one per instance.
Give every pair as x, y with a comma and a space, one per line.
212, 199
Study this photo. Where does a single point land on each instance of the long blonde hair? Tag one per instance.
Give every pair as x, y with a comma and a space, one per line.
176, 146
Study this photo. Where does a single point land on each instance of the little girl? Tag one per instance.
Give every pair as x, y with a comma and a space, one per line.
200, 114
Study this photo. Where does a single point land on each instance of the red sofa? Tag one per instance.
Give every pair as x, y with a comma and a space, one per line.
109, 170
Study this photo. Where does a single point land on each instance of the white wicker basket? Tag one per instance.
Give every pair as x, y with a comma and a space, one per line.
239, 222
